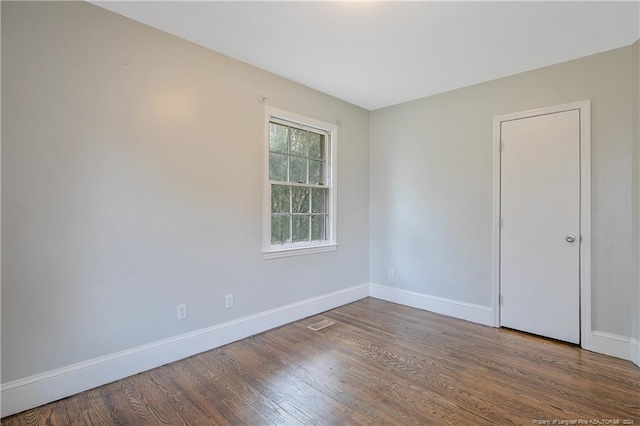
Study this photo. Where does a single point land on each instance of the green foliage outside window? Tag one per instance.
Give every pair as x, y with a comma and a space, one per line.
297, 171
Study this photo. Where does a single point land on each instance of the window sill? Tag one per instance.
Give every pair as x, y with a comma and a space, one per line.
298, 251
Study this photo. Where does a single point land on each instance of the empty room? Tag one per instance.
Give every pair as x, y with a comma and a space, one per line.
292, 213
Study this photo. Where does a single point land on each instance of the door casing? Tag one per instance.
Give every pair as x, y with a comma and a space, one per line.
584, 107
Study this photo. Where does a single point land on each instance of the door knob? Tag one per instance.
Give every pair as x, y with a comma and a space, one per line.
570, 238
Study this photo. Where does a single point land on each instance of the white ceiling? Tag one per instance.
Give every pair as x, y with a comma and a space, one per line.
376, 54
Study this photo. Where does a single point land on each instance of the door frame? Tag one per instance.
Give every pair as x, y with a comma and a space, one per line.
584, 108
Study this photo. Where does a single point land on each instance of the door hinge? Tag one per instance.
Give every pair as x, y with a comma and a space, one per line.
500, 299
500, 223
501, 146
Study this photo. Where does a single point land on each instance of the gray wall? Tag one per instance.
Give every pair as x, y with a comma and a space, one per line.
431, 183
132, 176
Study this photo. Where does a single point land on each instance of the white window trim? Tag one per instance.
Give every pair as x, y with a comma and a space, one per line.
270, 251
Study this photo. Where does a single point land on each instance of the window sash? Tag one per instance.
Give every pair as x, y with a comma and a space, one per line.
308, 160
310, 213
309, 228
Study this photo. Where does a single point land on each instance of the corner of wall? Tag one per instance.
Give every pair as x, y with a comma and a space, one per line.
467, 311
635, 316
635, 352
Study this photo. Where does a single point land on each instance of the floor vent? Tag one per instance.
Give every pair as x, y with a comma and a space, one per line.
320, 325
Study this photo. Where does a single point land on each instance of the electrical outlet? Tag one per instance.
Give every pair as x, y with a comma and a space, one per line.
228, 301
182, 311
390, 273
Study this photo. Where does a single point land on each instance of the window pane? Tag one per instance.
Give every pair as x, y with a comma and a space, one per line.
299, 142
280, 199
280, 229
300, 228
300, 199
315, 172
318, 227
278, 167
315, 146
318, 201
278, 136
298, 170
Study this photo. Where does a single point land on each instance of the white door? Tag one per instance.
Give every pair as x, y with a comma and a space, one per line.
540, 225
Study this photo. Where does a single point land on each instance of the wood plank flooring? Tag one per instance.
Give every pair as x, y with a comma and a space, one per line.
381, 363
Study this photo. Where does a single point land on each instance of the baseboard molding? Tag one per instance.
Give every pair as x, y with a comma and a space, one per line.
611, 344
39, 389
453, 308
635, 352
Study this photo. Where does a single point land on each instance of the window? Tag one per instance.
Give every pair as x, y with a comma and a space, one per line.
300, 202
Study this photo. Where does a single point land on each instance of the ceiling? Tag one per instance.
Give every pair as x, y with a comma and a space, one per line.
376, 54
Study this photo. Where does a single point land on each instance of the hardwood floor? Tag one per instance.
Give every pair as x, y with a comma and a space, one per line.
381, 363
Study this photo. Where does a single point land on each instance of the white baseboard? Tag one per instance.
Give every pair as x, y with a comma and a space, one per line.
611, 344
43, 388
635, 352
453, 308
